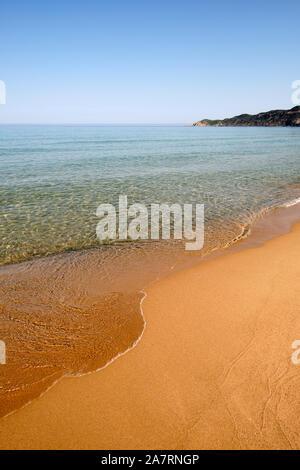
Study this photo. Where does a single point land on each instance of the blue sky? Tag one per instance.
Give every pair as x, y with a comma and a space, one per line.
146, 61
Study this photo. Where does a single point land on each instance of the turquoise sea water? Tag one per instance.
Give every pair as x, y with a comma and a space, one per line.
54, 177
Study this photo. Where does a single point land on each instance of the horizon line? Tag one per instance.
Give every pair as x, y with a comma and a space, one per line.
95, 124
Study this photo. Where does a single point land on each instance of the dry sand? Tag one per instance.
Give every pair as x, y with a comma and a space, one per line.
213, 369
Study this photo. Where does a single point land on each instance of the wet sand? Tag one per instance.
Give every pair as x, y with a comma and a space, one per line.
212, 370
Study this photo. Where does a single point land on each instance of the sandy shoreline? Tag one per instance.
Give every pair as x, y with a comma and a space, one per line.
213, 369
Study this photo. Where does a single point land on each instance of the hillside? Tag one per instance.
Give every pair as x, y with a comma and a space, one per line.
290, 117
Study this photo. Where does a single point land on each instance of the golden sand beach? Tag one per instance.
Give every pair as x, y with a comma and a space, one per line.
212, 370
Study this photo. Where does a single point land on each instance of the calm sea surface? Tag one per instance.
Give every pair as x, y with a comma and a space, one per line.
54, 177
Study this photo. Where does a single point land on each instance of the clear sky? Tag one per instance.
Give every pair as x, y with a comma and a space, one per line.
165, 61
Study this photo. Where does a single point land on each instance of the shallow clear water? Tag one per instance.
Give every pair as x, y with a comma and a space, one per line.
54, 177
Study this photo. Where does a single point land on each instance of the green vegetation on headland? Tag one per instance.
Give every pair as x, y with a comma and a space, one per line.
290, 117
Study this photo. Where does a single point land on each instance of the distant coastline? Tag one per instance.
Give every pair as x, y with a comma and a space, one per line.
279, 118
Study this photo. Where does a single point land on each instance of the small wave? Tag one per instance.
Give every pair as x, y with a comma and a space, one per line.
246, 231
291, 203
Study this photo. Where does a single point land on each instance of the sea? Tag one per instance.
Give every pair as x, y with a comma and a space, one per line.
71, 303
